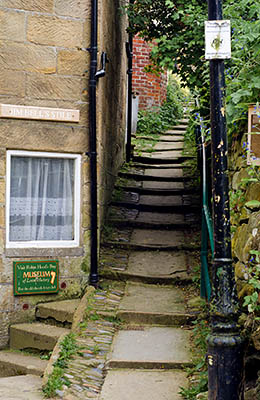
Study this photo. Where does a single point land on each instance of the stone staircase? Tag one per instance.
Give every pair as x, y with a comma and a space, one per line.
22, 363
151, 245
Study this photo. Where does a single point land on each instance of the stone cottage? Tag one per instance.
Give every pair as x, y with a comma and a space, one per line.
44, 145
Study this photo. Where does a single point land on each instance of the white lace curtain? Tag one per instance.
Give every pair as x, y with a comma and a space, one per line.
41, 203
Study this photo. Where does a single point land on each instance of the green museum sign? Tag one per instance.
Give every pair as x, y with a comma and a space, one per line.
36, 277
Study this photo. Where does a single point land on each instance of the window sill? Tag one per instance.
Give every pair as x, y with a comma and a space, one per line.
44, 252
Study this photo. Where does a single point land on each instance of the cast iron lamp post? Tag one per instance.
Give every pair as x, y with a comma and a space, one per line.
225, 345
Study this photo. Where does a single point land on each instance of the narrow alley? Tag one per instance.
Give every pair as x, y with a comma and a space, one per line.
155, 217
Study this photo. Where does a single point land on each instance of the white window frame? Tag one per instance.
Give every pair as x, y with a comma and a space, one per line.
77, 202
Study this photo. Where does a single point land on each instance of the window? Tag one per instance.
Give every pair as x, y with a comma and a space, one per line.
43, 199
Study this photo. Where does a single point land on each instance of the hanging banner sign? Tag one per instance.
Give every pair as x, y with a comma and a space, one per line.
40, 113
36, 277
218, 40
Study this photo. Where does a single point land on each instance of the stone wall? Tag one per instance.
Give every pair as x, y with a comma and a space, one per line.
150, 87
245, 222
44, 62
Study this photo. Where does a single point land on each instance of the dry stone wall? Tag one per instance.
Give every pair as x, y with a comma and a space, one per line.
245, 221
44, 62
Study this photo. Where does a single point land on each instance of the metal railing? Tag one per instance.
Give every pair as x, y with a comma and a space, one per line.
206, 220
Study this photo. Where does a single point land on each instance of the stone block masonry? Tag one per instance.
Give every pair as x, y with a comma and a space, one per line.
44, 62
150, 87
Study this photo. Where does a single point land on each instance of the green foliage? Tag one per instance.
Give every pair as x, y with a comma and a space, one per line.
178, 30
157, 120
68, 347
252, 300
199, 371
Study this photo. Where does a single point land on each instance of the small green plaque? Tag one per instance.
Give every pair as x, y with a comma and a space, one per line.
36, 277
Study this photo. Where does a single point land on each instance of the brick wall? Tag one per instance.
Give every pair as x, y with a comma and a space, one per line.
150, 87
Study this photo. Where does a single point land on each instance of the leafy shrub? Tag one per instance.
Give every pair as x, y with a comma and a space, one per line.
157, 120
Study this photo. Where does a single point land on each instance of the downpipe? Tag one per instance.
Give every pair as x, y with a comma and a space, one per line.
225, 355
94, 76
129, 52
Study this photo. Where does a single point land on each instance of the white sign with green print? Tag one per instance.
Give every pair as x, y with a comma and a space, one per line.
218, 40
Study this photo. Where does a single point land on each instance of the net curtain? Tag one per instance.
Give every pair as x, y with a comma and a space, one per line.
41, 201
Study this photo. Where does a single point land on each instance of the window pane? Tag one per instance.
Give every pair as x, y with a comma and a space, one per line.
41, 199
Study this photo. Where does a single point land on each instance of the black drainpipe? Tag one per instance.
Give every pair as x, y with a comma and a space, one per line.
129, 52
93, 277
94, 76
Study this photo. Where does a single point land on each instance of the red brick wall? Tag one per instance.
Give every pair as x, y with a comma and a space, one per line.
150, 87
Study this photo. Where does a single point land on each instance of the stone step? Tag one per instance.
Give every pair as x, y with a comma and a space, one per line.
151, 348
165, 155
143, 385
61, 311
138, 305
35, 335
147, 267
131, 217
151, 205
168, 146
148, 239
163, 191
162, 138
161, 160
173, 175
23, 387
16, 363
178, 128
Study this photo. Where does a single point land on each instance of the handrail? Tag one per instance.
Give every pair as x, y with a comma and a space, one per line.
206, 223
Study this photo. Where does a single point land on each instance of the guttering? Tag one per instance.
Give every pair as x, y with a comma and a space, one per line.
93, 276
129, 52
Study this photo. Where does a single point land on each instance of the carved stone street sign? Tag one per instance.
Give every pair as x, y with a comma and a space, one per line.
40, 113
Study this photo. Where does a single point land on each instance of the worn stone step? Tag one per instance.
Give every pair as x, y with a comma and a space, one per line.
35, 335
165, 155
155, 176
23, 387
163, 191
147, 267
138, 305
143, 385
155, 238
151, 348
162, 138
161, 160
177, 128
16, 363
166, 173
168, 146
148, 239
153, 206
61, 311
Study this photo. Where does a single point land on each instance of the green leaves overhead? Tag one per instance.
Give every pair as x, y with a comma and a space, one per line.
177, 27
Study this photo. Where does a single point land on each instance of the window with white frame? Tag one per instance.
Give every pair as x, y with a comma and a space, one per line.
42, 199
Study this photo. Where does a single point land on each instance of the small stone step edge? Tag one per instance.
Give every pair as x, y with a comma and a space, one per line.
16, 363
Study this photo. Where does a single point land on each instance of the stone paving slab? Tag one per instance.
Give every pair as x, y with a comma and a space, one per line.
157, 345
163, 185
164, 172
168, 146
23, 387
171, 138
157, 264
163, 154
140, 297
157, 200
157, 237
159, 218
143, 385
